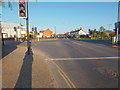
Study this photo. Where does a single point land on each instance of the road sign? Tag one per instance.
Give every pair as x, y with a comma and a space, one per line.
22, 9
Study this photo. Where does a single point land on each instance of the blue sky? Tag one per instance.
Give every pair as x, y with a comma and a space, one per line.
66, 15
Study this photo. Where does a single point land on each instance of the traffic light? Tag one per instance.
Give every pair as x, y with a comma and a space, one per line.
22, 9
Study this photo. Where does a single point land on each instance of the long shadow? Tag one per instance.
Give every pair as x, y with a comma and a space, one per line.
103, 42
25, 77
9, 47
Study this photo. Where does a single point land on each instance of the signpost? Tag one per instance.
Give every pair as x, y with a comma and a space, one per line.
23, 13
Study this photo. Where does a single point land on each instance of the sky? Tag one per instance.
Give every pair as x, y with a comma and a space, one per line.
65, 16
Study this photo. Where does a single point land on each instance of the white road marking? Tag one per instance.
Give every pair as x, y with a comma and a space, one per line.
83, 45
76, 43
93, 58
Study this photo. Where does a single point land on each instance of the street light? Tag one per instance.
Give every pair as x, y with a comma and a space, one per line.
118, 22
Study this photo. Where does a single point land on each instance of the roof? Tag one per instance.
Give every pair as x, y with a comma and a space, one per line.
41, 31
60, 34
66, 33
45, 30
48, 30
74, 31
10, 23
77, 31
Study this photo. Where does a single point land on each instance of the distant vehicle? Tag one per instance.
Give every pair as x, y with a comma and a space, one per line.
47, 36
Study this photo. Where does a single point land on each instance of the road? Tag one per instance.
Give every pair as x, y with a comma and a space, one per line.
81, 63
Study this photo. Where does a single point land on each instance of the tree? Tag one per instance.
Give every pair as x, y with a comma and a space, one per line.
31, 31
94, 30
102, 28
90, 31
54, 35
9, 4
2, 3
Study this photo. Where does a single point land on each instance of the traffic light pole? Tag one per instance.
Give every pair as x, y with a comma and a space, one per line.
27, 22
118, 23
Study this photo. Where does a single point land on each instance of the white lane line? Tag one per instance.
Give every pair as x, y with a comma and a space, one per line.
83, 45
93, 58
76, 43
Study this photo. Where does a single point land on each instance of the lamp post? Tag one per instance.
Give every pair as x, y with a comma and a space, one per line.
55, 32
27, 22
118, 23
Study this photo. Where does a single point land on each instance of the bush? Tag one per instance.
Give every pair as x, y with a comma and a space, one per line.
82, 36
69, 36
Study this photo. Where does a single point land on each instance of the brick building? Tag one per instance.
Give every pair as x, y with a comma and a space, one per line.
46, 34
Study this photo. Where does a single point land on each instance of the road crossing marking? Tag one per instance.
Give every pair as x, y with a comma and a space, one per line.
92, 58
65, 77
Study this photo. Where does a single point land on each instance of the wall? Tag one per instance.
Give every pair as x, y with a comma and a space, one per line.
8, 29
47, 33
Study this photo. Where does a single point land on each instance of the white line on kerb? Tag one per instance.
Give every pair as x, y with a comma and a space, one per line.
93, 58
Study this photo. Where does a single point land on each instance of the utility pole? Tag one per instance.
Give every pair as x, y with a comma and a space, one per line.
118, 23
55, 31
27, 22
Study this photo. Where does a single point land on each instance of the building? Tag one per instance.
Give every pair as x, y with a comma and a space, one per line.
41, 34
61, 35
77, 32
116, 26
12, 30
45, 34
67, 34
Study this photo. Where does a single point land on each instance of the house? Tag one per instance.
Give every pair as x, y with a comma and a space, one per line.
67, 34
40, 34
77, 32
46, 34
12, 30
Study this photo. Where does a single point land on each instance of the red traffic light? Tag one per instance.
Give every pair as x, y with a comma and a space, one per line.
22, 1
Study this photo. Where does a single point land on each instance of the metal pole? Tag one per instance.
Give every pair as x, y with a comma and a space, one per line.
16, 34
2, 39
28, 46
55, 31
118, 23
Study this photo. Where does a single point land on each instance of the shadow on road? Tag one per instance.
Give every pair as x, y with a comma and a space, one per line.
25, 77
9, 47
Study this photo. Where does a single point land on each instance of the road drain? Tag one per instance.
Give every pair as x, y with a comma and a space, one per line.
114, 74
108, 72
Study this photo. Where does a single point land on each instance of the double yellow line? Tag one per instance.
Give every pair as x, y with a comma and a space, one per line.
65, 77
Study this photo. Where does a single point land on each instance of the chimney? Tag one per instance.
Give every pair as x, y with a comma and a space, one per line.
80, 28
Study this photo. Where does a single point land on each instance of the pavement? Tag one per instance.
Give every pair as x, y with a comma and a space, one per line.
62, 63
20, 70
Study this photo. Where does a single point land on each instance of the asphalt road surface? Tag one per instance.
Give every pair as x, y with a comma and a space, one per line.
81, 63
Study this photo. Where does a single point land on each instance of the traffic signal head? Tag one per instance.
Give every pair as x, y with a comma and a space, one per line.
22, 9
